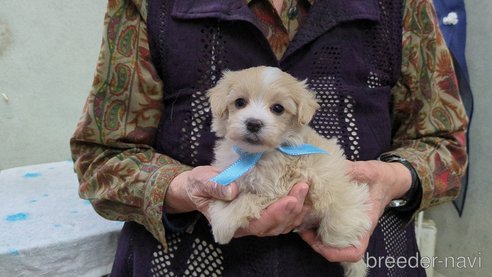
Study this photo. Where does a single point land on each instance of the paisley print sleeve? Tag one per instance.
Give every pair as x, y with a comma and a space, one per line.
118, 169
429, 119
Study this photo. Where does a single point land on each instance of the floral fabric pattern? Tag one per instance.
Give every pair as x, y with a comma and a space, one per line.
126, 179
119, 171
429, 117
280, 27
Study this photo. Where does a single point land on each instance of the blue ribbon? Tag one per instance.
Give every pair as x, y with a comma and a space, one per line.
303, 149
247, 161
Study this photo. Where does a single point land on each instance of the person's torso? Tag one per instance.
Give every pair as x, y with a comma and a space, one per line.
349, 52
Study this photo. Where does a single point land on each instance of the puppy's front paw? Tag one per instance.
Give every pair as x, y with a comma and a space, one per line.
357, 269
222, 234
227, 217
224, 221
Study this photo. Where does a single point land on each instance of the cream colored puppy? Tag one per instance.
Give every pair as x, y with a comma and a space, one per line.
257, 110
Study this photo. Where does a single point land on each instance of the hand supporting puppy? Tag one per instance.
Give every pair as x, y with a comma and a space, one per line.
386, 181
193, 190
281, 217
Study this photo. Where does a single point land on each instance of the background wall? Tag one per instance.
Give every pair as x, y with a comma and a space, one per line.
471, 235
48, 53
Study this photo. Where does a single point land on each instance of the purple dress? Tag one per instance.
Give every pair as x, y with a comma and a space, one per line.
350, 53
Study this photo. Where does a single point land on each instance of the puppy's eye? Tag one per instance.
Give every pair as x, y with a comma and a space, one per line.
277, 109
240, 103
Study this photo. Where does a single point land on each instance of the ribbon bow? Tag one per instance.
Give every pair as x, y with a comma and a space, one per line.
247, 161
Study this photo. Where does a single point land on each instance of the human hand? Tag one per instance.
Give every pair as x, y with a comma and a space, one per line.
386, 181
280, 217
193, 190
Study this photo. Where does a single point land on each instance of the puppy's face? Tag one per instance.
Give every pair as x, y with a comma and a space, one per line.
259, 108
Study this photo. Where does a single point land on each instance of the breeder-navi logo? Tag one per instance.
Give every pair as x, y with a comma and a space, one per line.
460, 262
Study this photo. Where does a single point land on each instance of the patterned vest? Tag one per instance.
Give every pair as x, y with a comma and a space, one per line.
348, 50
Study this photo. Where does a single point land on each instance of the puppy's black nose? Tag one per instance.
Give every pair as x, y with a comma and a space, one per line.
253, 125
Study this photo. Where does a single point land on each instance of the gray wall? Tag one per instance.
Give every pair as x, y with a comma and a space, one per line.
47, 61
48, 52
471, 235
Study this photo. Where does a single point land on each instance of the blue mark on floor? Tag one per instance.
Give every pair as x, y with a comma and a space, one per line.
30, 175
14, 252
17, 217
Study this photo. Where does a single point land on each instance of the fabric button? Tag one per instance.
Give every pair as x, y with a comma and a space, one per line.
292, 12
450, 19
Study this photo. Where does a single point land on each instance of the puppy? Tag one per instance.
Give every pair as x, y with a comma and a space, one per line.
258, 110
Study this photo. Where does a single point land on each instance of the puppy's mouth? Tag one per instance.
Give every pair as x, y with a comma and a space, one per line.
252, 139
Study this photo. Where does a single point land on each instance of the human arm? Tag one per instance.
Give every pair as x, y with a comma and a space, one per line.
119, 171
429, 130
192, 190
386, 181
429, 118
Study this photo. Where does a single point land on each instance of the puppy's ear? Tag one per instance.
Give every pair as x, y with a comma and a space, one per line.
306, 104
218, 97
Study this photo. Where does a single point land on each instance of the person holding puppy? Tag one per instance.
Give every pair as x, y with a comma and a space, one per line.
143, 147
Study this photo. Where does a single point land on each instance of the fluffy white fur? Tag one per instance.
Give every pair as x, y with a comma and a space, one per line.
339, 204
